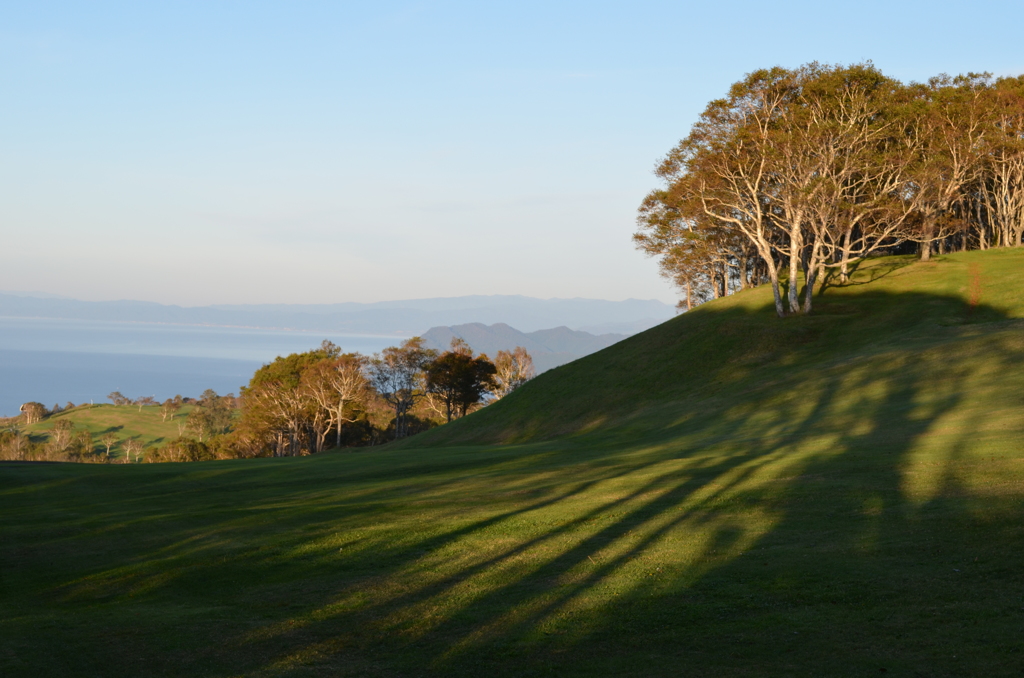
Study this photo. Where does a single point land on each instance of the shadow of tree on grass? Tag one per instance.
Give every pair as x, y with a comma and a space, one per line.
860, 515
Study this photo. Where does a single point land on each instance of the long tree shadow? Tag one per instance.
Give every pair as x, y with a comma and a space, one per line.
849, 522
831, 506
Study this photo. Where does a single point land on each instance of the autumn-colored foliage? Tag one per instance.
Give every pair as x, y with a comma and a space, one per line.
796, 175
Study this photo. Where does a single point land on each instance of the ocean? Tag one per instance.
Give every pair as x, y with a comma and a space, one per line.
55, 361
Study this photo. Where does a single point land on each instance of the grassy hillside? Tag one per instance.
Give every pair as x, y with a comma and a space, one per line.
126, 421
735, 349
727, 494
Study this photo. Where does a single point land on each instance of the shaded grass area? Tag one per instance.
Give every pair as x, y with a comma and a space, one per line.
819, 511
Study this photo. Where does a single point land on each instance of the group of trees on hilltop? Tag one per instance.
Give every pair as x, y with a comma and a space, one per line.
33, 412
301, 403
806, 171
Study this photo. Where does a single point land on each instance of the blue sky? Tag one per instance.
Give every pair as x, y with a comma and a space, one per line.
289, 152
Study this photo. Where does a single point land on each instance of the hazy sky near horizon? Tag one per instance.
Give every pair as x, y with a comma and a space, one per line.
316, 152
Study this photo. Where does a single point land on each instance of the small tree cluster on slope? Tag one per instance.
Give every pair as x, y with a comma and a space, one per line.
294, 404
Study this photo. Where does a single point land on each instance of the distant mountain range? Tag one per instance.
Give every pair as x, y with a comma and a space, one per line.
399, 318
549, 348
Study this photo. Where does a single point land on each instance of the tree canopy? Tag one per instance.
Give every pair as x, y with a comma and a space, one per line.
802, 172
460, 379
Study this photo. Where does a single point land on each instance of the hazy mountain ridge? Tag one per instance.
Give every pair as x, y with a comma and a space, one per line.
549, 348
403, 317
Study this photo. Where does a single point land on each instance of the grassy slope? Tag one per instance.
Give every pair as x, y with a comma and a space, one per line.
726, 494
734, 348
127, 421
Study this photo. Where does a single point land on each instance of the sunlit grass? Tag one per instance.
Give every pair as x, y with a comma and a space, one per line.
828, 502
145, 424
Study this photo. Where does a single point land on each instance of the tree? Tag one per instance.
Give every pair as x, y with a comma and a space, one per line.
722, 172
703, 259
147, 400
108, 440
460, 379
843, 168
200, 423
277, 412
398, 375
34, 412
274, 407
216, 410
869, 201
132, 447
336, 384
61, 434
1001, 189
169, 408
949, 120
83, 443
512, 370
17, 445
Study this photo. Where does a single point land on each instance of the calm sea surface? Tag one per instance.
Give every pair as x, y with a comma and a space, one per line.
56, 361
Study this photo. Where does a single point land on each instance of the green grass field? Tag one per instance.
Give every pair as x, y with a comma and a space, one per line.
126, 421
727, 494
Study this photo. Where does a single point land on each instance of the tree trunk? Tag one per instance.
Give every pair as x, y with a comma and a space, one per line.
341, 411
926, 244
765, 255
844, 270
774, 276
815, 274
794, 268
399, 419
